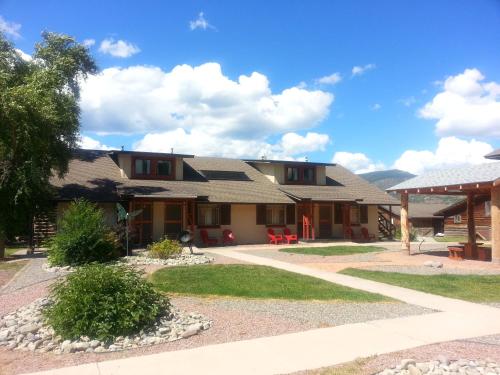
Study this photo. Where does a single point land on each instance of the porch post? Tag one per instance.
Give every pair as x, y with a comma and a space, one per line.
471, 225
495, 223
405, 223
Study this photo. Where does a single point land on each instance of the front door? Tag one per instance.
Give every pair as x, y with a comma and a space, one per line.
142, 224
173, 220
325, 221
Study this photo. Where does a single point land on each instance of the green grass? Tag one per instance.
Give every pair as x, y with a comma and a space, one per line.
451, 239
12, 266
253, 282
332, 250
472, 288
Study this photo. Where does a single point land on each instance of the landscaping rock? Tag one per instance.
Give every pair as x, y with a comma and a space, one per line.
443, 366
26, 331
433, 264
180, 260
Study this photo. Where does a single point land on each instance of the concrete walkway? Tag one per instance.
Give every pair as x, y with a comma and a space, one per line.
315, 348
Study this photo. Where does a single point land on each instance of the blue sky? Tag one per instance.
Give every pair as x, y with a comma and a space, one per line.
372, 120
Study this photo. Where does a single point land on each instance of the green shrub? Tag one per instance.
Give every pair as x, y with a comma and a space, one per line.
103, 302
82, 237
164, 249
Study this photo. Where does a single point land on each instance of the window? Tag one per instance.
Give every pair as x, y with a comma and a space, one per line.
153, 168
173, 220
143, 166
363, 214
354, 215
487, 208
300, 174
208, 215
457, 219
275, 215
163, 168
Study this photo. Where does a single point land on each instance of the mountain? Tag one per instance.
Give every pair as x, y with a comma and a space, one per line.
391, 177
386, 179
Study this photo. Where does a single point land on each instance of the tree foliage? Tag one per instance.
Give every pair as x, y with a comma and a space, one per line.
39, 122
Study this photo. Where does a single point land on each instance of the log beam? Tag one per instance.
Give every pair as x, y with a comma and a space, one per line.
405, 223
495, 224
471, 225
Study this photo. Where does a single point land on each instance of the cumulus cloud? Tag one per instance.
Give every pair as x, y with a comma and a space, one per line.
200, 23
408, 102
466, 106
119, 48
23, 55
359, 70
10, 28
289, 146
93, 144
332, 79
450, 152
145, 99
88, 42
357, 162
376, 107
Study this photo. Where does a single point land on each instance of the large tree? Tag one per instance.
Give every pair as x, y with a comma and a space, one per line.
39, 123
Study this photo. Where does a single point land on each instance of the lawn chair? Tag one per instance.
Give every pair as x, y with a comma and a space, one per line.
274, 238
349, 234
368, 237
207, 241
289, 237
228, 237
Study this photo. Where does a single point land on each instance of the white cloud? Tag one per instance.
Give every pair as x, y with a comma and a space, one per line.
451, 152
200, 23
359, 70
290, 146
10, 28
92, 144
332, 79
88, 42
466, 106
120, 48
144, 99
376, 107
23, 55
357, 162
408, 102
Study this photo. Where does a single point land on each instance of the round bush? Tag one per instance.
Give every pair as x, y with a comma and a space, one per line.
164, 249
82, 237
103, 302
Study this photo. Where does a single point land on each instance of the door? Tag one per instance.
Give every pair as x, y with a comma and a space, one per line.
173, 220
325, 221
301, 211
142, 224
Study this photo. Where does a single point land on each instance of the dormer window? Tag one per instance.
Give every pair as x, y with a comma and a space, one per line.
300, 175
153, 168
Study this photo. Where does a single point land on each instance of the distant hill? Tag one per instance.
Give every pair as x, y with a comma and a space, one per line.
386, 179
391, 177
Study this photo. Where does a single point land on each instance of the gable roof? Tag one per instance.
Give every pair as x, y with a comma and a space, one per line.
494, 154
460, 206
473, 174
419, 210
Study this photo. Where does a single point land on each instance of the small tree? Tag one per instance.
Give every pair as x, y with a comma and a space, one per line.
82, 237
39, 123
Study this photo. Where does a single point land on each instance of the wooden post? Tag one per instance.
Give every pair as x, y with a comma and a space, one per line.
471, 226
391, 227
495, 224
405, 223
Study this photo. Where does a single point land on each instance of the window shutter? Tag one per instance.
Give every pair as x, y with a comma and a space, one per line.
290, 214
225, 214
363, 214
261, 214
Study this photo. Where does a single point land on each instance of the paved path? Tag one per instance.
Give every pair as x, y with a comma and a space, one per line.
320, 347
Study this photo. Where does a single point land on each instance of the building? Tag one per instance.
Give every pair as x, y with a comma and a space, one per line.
455, 218
177, 192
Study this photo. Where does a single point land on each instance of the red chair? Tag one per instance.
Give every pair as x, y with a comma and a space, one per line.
228, 237
367, 236
207, 241
289, 237
274, 238
349, 234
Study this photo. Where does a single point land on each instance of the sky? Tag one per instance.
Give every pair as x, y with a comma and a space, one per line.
371, 85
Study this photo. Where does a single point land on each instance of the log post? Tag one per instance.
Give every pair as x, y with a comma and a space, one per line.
471, 225
495, 224
405, 223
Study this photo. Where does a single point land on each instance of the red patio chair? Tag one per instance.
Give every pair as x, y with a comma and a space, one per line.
349, 234
207, 241
289, 236
274, 238
367, 236
228, 237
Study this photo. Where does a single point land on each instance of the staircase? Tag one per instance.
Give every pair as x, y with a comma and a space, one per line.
385, 227
44, 227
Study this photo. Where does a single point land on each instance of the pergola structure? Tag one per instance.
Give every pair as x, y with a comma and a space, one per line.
469, 181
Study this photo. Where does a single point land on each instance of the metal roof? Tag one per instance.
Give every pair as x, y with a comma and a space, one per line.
488, 172
494, 154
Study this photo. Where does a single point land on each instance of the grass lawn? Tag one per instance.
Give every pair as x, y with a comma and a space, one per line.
332, 250
9, 269
451, 239
253, 282
467, 287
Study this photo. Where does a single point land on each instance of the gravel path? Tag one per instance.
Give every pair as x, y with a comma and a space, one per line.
423, 270
30, 275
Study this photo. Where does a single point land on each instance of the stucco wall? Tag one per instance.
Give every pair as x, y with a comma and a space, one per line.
267, 170
158, 220
179, 169
321, 175
125, 164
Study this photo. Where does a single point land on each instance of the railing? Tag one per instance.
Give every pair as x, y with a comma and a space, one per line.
385, 226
